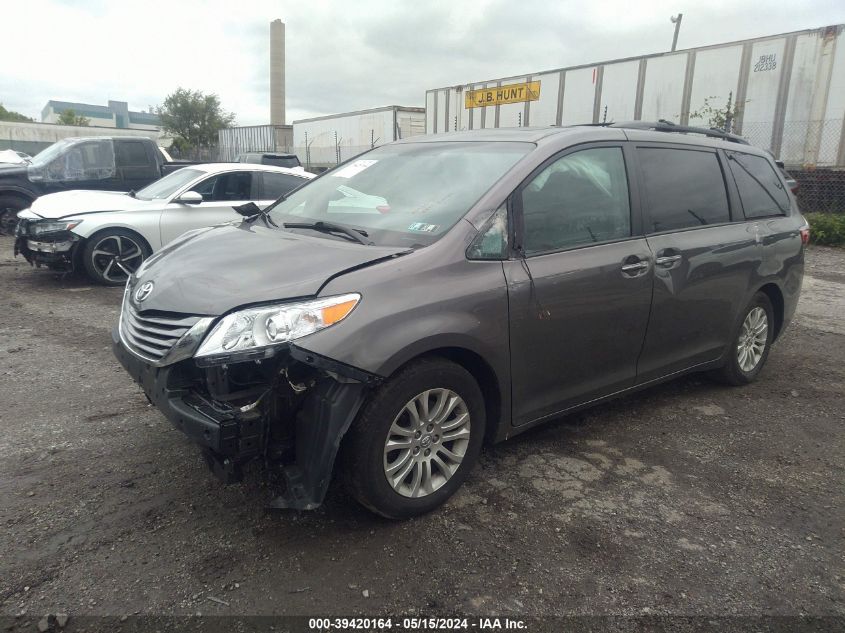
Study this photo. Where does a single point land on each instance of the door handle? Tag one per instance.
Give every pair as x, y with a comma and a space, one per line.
632, 267
667, 260
629, 268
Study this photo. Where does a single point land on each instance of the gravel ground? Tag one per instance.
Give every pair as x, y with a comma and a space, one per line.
689, 498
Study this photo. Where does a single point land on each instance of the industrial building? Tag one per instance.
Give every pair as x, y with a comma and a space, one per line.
788, 90
116, 114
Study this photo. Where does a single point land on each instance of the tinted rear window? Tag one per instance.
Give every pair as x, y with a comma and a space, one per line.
280, 161
131, 153
277, 185
760, 188
683, 188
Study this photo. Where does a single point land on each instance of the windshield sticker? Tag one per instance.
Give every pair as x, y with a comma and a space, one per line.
424, 228
353, 168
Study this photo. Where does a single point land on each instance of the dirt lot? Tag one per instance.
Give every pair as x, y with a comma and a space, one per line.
689, 498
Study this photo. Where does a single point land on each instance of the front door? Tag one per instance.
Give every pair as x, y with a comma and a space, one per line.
220, 194
579, 300
705, 257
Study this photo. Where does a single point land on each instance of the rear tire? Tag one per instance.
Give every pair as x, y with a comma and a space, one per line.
401, 464
750, 345
10, 204
111, 255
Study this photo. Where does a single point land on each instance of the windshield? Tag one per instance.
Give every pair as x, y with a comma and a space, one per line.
170, 184
403, 195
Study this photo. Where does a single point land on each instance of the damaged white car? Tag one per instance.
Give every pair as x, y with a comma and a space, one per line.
109, 234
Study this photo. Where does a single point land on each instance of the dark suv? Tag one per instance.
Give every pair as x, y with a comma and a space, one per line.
269, 158
443, 291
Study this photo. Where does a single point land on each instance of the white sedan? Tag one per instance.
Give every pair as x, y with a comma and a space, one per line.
109, 234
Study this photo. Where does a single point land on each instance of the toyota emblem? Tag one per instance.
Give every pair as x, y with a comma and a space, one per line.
144, 291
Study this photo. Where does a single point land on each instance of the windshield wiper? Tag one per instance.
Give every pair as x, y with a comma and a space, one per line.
329, 227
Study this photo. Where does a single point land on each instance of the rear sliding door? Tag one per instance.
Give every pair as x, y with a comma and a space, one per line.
705, 255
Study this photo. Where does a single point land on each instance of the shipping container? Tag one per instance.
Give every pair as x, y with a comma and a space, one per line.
787, 90
254, 138
328, 140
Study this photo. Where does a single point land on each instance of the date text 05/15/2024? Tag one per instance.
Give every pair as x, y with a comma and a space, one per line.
416, 624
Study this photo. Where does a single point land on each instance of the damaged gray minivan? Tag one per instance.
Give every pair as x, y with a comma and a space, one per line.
385, 320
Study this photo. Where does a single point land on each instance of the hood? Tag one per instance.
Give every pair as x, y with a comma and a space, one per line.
12, 169
9, 156
212, 271
80, 202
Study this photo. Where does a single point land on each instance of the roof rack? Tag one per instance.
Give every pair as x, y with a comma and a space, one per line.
663, 125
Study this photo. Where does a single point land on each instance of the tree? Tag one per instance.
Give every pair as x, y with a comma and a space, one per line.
720, 118
194, 118
10, 115
69, 117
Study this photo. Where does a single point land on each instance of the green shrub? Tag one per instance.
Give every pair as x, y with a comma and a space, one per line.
827, 228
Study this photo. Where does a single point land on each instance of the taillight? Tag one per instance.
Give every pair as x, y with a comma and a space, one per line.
794, 189
805, 234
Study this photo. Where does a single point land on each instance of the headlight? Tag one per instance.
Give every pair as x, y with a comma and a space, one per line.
37, 228
256, 332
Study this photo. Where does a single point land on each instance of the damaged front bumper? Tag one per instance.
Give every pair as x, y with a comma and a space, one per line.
55, 250
290, 411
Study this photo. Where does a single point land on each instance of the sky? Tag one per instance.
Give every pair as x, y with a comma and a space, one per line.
343, 56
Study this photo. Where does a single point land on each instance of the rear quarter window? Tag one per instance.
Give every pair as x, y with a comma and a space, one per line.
684, 188
761, 190
276, 185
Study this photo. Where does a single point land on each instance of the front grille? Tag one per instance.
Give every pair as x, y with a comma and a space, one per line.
153, 333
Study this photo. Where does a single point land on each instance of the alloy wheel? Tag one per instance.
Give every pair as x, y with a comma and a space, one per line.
426, 443
752, 339
115, 257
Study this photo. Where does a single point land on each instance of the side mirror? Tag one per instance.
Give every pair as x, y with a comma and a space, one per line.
189, 197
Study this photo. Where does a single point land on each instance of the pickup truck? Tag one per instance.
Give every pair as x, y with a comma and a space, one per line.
118, 163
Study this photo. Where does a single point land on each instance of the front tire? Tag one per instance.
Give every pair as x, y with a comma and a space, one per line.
416, 440
9, 206
111, 255
750, 346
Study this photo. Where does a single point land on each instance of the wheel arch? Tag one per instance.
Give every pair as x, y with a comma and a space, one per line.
775, 295
483, 373
19, 192
118, 227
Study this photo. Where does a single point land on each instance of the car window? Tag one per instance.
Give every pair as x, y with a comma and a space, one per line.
760, 189
276, 185
131, 153
235, 186
280, 161
578, 199
683, 188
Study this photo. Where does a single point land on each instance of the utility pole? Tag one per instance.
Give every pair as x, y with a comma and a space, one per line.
676, 20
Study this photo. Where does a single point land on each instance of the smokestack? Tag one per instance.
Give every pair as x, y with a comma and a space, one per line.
277, 72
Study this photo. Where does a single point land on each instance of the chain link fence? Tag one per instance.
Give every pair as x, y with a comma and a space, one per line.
813, 153
322, 158
820, 190
196, 154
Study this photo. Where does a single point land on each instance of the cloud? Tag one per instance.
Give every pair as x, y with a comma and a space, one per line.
341, 56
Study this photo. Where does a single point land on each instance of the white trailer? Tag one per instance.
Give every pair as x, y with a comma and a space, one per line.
328, 140
789, 90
